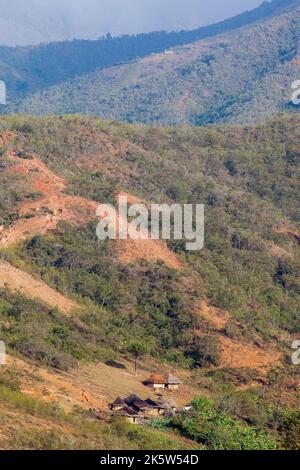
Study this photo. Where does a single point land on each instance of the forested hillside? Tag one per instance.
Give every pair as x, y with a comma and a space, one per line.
247, 177
225, 316
242, 76
29, 69
175, 118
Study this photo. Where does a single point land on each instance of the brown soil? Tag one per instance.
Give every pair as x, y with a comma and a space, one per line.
291, 233
214, 315
90, 386
237, 354
279, 252
5, 138
54, 206
130, 251
20, 281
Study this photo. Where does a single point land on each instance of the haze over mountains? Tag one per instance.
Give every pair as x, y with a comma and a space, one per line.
240, 72
36, 21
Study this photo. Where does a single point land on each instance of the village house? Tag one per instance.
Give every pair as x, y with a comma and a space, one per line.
129, 414
136, 411
141, 406
172, 382
169, 406
157, 406
117, 405
157, 382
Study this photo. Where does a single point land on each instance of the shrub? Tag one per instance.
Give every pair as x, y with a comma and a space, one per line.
205, 351
210, 426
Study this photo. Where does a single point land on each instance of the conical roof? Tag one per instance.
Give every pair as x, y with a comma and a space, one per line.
156, 379
172, 380
167, 403
126, 411
134, 400
118, 402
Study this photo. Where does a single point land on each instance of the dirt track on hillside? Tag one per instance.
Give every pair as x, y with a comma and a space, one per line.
54, 206
39, 216
43, 215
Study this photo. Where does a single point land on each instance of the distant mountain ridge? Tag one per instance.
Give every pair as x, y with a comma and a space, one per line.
30, 69
241, 76
40, 21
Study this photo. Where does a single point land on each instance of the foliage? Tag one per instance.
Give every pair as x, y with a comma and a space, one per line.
211, 81
248, 179
123, 303
238, 268
289, 429
44, 335
137, 349
53, 429
205, 350
12, 192
218, 431
9, 379
28, 69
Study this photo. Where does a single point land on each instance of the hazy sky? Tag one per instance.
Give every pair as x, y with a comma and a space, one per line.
130, 16
33, 21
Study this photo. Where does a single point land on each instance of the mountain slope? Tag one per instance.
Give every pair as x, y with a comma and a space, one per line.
239, 77
248, 168
29, 69
20, 281
225, 320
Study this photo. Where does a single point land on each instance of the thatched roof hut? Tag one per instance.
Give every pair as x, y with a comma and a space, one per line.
137, 403
156, 379
172, 380
167, 404
117, 404
126, 411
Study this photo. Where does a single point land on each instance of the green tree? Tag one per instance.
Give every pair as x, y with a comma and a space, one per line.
137, 349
